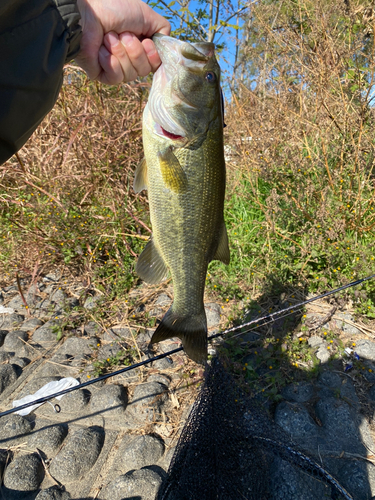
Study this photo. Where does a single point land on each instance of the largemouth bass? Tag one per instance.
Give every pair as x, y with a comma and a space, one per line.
184, 172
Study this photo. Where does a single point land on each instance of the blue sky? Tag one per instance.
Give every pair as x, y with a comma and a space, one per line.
227, 56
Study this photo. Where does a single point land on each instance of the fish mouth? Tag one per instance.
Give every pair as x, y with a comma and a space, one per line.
160, 130
174, 137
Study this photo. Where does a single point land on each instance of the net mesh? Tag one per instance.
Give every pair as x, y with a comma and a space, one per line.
231, 449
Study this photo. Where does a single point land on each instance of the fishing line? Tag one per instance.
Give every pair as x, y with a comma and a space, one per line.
259, 322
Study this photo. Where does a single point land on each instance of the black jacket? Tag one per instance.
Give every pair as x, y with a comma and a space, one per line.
37, 37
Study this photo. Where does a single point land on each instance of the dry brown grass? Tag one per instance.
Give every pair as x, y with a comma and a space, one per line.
78, 164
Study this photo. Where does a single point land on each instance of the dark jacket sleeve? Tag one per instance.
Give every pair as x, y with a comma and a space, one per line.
37, 37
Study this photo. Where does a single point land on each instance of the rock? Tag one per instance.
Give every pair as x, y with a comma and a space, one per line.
14, 426
159, 377
163, 364
11, 321
47, 332
213, 314
138, 452
78, 346
32, 296
52, 277
8, 375
72, 302
20, 362
339, 424
76, 401
1, 299
109, 351
146, 405
24, 474
117, 333
48, 439
4, 458
155, 312
332, 385
365, 349
330, 379
3, 334
296, 421
340, 322
92, 328
163, 300
353, 476
300, 392
58, 297
145, 337
78, 456
140, 309
31, 324
323, 354
92, 301
167, 458
140, 484
17, 303
44, 308
5, 356
248, 337
288, 482
148, 393
313, 319
53, 493
315, 341
15, 341
110, 396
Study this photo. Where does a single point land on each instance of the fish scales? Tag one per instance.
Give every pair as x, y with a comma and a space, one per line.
184, 172
189, 244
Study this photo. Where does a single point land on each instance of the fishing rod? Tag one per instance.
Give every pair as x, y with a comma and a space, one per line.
264, 320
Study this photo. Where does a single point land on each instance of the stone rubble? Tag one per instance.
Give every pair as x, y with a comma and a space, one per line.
115, 439
111, 440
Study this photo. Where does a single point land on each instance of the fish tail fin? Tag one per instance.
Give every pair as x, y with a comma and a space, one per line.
192, 330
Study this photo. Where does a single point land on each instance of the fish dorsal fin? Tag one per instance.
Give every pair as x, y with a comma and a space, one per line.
151, 266
222, 251
140, 178
173, 174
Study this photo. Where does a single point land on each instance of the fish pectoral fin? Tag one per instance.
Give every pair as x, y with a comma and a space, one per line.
173, 174
150, 265
222, 251
192, 330
140, 178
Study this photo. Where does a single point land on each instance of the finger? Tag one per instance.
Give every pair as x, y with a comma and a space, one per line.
154, 22
136, 53
152, 54
117, 49
111, 70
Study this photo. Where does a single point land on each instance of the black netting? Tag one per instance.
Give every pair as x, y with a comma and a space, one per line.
231, 449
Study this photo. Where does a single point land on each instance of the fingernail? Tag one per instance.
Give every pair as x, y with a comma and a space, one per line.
113, 39
126, 38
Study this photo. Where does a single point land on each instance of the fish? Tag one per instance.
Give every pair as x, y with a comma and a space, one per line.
184, 172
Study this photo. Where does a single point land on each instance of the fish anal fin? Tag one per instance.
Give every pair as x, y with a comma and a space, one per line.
173, 174
150, 265
222, 252
191, 330
140, 178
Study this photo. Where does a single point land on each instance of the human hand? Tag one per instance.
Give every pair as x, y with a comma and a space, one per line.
111, 51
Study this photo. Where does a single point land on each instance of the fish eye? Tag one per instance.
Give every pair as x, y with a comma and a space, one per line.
210, 77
